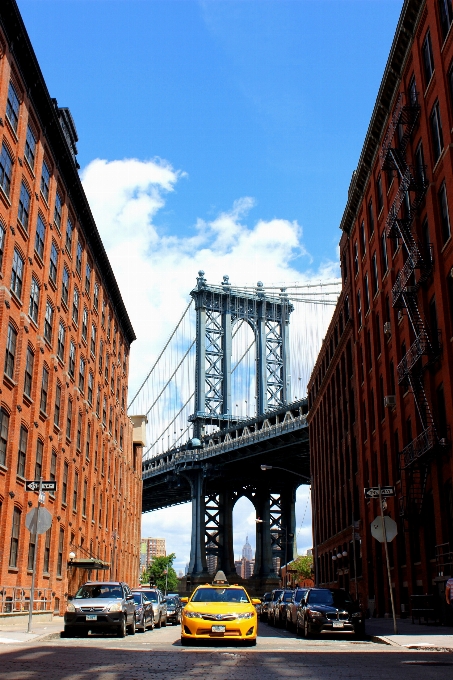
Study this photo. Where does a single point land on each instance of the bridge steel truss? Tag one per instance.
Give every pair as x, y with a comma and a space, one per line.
400, 224
226, 468
218, 308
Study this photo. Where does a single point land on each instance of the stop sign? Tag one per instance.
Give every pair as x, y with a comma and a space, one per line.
377, 529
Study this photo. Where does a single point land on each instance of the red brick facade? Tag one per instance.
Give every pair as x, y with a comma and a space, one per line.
64, 348
397, 258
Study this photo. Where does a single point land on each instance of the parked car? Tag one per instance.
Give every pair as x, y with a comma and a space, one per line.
329, 610
100, 606
284, 599
271, 606
291, 607
156, 597
264, 605
144, 612
174, 606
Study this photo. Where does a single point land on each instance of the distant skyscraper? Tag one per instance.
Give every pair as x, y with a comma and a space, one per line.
149, 548
247, 551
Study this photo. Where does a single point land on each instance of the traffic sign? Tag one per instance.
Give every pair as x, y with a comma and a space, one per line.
373, 491
46, 486
377, 529
38, 524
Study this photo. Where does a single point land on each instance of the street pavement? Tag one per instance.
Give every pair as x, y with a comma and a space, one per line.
159, 655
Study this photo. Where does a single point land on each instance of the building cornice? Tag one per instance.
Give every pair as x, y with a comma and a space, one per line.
26, 62
402, 43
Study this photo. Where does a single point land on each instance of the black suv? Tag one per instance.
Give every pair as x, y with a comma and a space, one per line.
100, 606
272, 605
291, 607
329, 610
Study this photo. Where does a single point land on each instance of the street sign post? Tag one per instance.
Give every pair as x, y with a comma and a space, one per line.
377, 528
384, 529
38, 521
379, 491
45, 486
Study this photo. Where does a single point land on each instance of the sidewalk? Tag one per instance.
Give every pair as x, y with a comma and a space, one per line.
12, 633
410, 635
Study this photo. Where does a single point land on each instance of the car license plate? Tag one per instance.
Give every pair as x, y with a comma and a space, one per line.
91, 617
338, 624
218, 629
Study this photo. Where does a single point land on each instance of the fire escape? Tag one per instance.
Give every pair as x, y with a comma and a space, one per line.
413, 183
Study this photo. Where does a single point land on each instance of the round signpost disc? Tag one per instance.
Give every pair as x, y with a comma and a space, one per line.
377, 531
44, 521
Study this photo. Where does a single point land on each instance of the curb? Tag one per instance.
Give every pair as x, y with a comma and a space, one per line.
380, 639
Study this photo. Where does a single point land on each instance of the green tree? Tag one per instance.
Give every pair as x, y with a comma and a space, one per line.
304, 565
155, 574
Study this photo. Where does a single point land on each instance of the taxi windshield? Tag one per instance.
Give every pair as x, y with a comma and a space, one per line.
220, 595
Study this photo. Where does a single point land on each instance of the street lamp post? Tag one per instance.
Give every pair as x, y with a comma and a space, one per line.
310, 480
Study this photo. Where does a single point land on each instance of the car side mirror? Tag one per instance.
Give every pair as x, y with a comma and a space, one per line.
184, 600
70, 597
256, 600
303, 603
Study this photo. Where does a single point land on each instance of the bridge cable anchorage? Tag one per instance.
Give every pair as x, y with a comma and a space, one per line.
163, 350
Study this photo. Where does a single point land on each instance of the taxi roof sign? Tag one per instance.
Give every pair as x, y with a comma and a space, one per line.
220, 579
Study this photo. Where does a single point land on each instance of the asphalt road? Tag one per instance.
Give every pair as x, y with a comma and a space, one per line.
158, 655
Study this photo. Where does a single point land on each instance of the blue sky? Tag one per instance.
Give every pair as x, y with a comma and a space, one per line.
219, 135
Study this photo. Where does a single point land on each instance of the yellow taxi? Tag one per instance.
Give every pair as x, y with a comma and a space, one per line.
219, 611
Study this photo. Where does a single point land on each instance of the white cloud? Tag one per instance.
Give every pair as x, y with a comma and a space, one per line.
156, 269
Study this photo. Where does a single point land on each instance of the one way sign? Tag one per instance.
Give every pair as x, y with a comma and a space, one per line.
373, 491
46, 486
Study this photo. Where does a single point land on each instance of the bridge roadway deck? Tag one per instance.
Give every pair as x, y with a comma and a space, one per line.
233, 456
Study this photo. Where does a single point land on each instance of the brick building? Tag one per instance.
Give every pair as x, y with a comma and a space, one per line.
381, 394
149, 548
64, 348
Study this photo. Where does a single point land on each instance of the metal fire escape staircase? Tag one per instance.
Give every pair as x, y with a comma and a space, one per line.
399, 225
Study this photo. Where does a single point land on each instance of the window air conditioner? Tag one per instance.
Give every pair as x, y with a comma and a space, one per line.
390, 401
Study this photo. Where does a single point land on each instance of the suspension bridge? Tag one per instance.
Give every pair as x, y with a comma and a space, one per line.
225, 396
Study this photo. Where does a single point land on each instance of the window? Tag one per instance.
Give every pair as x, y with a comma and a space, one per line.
12, 107
104, 412
85, 324
30, 147
33, 306
121, 437
76, 489
53, 263
10, 355
106, 371
31, 552
112, 378
446, 16
109, 326
101, 355
65, 286
81, 374
72, 357
93, 503
47, 550
90, 388
359, 310
123, 391
17, 274
379, 194
371, 216
87, 278
69, 232
61, 341
2, 244
57, 211
15, 531
378, 334
420, 167
6, 165
96, 296
118, 379
374, 275
60, 552
79, 432
23, 440
93, 340
38, 462
48, 323
44, 390
98, 402
103, 314
427, 57
24, 206
53, 465
4, 428
362, 238
75, 306
64, 487
56, 413
384, 258
45, 181
444, 217
40, 236
79, 259
69, 419
110, 419
88, 442
29, 362
84, 497
436, 132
